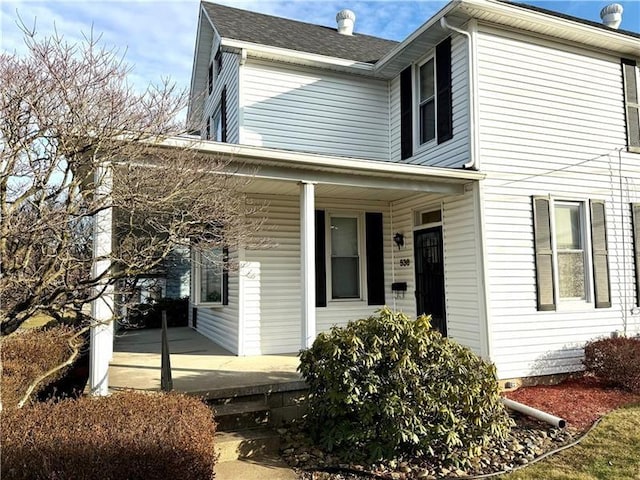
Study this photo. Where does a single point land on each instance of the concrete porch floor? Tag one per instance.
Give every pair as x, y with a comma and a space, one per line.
198, 365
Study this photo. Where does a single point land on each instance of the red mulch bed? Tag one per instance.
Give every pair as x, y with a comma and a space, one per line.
580, 401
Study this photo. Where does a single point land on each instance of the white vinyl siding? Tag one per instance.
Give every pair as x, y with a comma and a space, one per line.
228, 78
271, 279
303, 109
464, 318
454, 152
551, 123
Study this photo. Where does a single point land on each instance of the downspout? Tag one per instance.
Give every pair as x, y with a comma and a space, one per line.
534, 412
474, 162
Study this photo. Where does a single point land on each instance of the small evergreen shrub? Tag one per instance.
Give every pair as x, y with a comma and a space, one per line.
125, 436
27, 354
387, 387
615, 361
149, 315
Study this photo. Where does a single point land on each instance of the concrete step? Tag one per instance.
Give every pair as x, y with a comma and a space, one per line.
269, 467
248, 443
241, 415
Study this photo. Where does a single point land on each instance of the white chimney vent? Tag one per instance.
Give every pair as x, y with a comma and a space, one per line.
611, 15
346, 20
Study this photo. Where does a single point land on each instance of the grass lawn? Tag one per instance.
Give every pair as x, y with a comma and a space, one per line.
610, 451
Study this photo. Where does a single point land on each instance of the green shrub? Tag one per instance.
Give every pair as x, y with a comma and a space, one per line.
615, 361
125, 436
27, 354
149, 315
387, 387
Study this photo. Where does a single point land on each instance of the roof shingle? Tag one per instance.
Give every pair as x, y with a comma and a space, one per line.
247, 26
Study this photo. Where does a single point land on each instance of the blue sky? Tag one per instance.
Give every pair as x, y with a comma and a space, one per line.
158, 37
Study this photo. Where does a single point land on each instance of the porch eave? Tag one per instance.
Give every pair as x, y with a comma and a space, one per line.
262, 156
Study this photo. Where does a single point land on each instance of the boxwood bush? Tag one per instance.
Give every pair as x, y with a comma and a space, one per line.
387, 386
27, 354
616, 361
125, 436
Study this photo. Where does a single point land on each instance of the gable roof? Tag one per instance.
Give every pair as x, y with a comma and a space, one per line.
237, 24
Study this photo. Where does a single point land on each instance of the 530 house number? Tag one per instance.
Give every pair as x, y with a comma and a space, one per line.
405, 262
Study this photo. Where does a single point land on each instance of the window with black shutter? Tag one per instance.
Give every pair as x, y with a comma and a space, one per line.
434, 101
339, 258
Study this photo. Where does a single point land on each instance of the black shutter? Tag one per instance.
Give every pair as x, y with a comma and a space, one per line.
321, 263
406, 113
635, 215
225, 276
194, 317
375, 258
443, 84
543, 254
223, 115
600, 255
210, 78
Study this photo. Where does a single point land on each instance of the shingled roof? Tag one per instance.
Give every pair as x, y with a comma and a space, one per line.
238, 24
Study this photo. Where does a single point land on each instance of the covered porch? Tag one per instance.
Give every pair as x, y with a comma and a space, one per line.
282, 295
198, 366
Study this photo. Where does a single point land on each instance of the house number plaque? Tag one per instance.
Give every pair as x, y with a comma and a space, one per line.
405, 262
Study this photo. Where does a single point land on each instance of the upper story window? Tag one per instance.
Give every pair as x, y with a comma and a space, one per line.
426, 104
427, 101
219, 119
218, 62
631, 76
571, 256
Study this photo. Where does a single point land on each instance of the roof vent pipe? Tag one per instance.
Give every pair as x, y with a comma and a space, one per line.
611, 15
346, 20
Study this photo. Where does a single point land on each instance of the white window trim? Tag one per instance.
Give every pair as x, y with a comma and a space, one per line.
361, 256
196, 283
216, 126
567, 304
417, 146
418, 214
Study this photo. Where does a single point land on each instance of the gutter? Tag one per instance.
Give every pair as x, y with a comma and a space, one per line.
257, 50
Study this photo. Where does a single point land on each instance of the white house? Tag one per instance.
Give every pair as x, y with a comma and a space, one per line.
485, 170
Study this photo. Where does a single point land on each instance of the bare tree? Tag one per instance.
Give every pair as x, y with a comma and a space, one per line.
75, 140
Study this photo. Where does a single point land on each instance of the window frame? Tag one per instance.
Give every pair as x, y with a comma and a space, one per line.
572, 303
197, 281
417, 104
585, 221
216, 125
362, 272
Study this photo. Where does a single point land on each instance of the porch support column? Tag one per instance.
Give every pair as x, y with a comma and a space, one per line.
101, 338
308, 262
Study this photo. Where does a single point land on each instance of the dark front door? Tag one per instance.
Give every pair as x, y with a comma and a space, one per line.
430, 276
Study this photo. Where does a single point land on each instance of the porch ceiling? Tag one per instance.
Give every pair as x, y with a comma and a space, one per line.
261, 186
